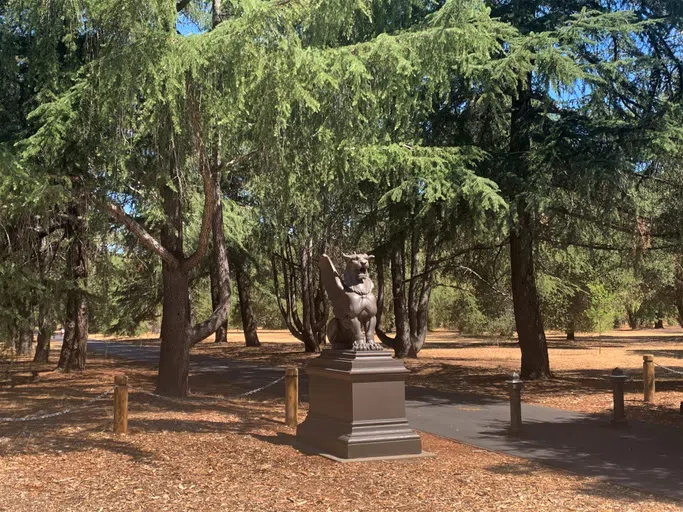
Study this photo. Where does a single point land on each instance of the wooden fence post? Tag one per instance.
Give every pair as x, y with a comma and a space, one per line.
121, 404
292, 397
649, 378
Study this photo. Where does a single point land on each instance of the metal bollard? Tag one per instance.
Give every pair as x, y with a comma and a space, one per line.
121, 404
649, 378
618, 378
515, 387
291, 397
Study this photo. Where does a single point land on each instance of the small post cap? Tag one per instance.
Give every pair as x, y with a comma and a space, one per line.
121, 380
618, 375
515, 379
290, 372
648, 358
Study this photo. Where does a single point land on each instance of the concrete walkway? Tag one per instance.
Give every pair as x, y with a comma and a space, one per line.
644, 456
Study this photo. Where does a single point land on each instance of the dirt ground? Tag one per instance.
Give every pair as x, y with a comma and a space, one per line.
209, 453
480, 366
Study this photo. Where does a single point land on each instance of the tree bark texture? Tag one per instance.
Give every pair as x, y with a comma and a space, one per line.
24, 344
532, 341
221, 335
244, 291
75, 343
175, 348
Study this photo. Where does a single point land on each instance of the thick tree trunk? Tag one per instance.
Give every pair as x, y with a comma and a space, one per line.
174, 357
570, 334
244, 292
75, 344
532, 341
24, 344
43, 346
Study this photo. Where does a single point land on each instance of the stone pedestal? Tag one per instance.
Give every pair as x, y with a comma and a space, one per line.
357, 407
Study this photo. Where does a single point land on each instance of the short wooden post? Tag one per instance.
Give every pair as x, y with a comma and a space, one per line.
618, 379
649, 378
291, 397
515, 387
121, 404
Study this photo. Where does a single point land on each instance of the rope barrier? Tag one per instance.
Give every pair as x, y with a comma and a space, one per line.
231, 397
668, 369
35, 417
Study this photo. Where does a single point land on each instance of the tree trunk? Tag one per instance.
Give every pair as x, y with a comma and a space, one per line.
311, 341
244, 292
532, 341
24, 343
75, 343
43, 346
570, 334
310, 328
402, 340
174, 356
632, 318
678, 288
222, 332
379, 262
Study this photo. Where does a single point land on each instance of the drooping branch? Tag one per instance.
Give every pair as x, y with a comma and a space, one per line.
220, 314
210, 184
151, 243
204, 233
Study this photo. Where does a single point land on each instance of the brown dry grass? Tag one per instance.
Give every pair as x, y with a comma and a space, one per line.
216, 454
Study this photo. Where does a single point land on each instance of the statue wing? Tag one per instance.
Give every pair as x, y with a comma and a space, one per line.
331, 280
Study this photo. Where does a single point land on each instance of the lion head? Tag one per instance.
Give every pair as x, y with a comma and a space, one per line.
356, 275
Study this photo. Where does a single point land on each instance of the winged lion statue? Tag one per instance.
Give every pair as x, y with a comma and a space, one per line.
353, 303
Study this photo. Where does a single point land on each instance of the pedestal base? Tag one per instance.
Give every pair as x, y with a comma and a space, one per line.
357, 407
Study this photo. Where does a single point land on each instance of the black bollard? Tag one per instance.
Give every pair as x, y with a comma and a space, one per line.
618, 379
515, 387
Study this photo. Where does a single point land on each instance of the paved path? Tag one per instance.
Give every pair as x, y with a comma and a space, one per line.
645, 456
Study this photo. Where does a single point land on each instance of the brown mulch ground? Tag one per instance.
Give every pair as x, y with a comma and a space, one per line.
450, 362
236, 455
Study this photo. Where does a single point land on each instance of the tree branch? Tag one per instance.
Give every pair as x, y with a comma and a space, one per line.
117, 213
204, 233
220, 315
181, 4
